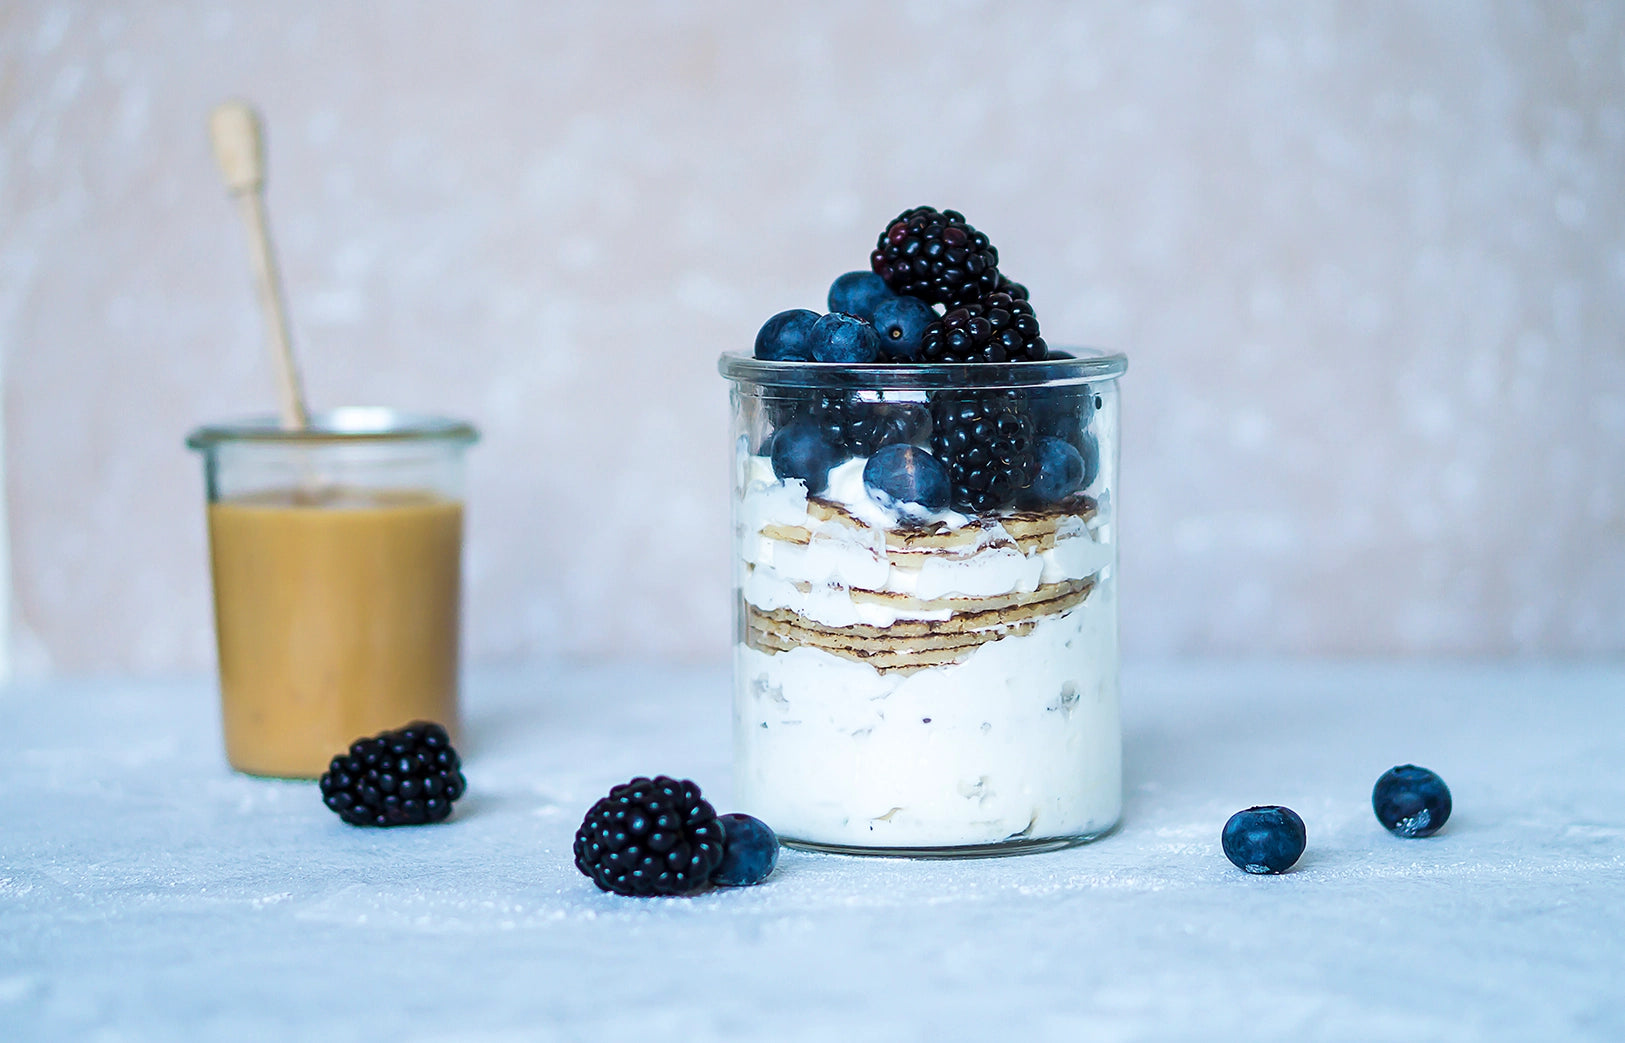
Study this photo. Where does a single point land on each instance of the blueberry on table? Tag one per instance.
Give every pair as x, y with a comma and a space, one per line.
1411, 801
1267, 839
900, 322
838, 337
857, 293
750, 850
784, 337
801, 449
907, 474
1060, 471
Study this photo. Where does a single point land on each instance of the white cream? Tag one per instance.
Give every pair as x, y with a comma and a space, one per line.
1021, 741
842, 555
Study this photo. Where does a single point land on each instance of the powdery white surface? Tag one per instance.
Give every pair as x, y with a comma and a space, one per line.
146, 893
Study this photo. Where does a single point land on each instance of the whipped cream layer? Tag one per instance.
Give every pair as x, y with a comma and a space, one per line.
1021, 741
812, 577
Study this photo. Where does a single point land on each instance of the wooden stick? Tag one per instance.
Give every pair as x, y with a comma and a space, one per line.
234, 128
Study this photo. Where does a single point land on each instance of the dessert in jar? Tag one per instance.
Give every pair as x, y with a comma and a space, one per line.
925, 654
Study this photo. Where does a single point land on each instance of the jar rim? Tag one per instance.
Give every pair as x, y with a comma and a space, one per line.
345, 424
1084, 366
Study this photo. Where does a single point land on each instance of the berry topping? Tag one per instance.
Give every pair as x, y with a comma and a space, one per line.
783, 338
1062, 412
843, 338
1089, 449
406, 777
1014, 289
802, 449
986, 442
858, 293
1411, 801
1059, 474
750, 850
901, 323
650, 837
998, 328
936, 257
1264, 839
905, 474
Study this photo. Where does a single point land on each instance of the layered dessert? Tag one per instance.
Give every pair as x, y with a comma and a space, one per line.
926, 653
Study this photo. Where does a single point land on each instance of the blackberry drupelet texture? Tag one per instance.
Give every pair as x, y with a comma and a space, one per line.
650, 837
936, 257
998, 328
1010, 286
986, 442
406, 777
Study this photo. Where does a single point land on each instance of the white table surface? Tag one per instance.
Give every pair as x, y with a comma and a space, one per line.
147, 893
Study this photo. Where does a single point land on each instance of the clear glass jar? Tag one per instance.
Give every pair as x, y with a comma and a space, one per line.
925, 647
336, 555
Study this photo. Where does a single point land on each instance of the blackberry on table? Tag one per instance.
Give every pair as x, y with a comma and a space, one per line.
997, 328
937, 257
650, 837
987, 443
406, 777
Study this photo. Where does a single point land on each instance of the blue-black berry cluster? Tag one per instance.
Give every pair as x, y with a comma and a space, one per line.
659, 837
406, 777
934, 295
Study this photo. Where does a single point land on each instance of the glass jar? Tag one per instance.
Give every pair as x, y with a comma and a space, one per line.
336, 555
925, 639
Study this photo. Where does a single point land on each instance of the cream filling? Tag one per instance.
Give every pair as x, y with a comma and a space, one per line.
839, 556
1020, 740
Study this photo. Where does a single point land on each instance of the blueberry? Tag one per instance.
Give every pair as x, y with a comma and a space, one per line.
750, 850
1063, 412
907, 474
1060, 471
901, 422
1264, 839
838, 337
800, 449
783, 338
1411, 801
857, 293
901, 322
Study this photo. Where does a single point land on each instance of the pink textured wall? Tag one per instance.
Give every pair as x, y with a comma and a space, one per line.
1368, 262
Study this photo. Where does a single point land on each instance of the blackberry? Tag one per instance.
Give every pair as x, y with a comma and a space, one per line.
987, 443
406, 777
1010, 286
650, 837
936, 257
998, 328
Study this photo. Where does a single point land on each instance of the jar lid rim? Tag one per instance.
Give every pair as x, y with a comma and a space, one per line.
345, 424
1079, 366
